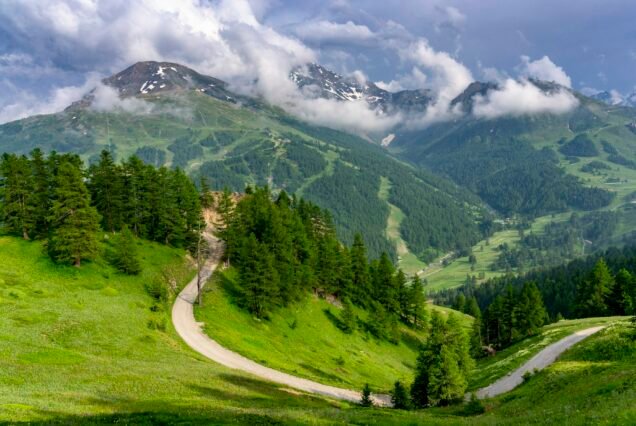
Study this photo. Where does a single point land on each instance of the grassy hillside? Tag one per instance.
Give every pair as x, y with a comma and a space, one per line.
236, 145
490, 369
304, 340
76, 348
592, 383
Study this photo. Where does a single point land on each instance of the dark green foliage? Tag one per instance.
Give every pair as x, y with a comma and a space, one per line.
308, 160
400, 397
106, 191
348, 317
17, 205
593, 292
184, 149
365, 400
577, 289
580, 146
609, 148
221, 176
443, 365
151, 155
559, 241
42, 192
621, 161
595, 166
75, 222
507, 172
125, 256
474, 406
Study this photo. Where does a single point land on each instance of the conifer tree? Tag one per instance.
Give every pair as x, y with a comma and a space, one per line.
400, 397
621, 300
206, 198
42, 192
366, 400
106, 189
75, 222
472, 308
16, 192
359, 270
592, 293
403, 296
258, 278
418, 302
348, 317
384, 288
125, 257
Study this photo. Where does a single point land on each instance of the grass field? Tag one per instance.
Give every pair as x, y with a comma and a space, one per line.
454, 274
75, 348
304, 340
490, 369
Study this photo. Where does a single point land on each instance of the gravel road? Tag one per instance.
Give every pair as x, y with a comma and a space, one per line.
538, 362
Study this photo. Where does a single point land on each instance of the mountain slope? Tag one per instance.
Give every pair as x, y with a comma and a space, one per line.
530, 164
236, 141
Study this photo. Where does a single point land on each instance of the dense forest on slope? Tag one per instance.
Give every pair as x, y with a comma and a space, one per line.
519, 164
597, 285
56, 199
234, 146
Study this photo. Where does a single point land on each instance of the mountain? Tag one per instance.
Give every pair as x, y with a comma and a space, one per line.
171, 115
616, 99
536, 164
318, 81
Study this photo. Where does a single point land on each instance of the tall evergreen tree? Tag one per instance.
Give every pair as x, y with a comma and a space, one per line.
400, 397
125, 257
42, 192
258, 278
417, 309
592, 293
360, 270
206, 198
16, 192
74, 220
105, 185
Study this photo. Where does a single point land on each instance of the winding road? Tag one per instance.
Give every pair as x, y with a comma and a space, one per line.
191, 332
538, 362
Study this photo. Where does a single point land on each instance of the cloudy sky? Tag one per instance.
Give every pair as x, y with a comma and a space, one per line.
53, 51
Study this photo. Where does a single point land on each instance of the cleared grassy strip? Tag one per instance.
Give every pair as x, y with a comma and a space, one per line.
407, 261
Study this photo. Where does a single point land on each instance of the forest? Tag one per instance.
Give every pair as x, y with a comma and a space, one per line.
56, 199
601, 284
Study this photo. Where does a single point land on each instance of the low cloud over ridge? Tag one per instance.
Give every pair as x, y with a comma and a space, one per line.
225, 39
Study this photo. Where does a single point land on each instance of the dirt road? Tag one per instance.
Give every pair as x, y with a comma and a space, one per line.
191, 332
538, 362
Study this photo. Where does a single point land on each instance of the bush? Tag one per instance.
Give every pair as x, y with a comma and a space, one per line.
473, 407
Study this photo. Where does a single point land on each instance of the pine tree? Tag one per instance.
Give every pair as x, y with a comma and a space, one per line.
418, 303
529, 311
258, 278
348, 317
442, 365
366, 400
360, 270
75, 222
476, 342
384, 288
206, 198
472, 308
105, 185
42, 192
16, 192
403, 296
400, 397
621, 300
126, 258
460, 303
592, 293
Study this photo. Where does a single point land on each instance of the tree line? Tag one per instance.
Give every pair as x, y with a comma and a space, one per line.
599, 285
284, 247
57, 199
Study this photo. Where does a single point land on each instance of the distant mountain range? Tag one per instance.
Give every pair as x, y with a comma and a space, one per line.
446, 179
616, 99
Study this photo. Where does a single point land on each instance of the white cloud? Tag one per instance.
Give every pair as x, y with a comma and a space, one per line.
544, 69
520, 97
333, 32
448, 78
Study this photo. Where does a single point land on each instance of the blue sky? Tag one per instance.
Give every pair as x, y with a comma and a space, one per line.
53, 51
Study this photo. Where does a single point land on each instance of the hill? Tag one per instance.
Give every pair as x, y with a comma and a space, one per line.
305, 339
191, 121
